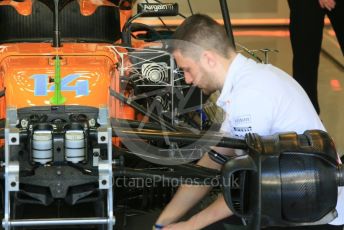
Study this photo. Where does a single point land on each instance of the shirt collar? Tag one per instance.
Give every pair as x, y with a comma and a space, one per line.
232, 72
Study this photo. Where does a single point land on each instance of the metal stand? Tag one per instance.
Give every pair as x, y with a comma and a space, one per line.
12, 169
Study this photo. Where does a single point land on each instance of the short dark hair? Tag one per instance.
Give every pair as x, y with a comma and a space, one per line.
202, 31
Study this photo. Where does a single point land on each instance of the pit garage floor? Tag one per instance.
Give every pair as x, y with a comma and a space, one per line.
330, 86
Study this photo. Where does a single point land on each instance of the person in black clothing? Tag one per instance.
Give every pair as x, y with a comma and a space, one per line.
306, 31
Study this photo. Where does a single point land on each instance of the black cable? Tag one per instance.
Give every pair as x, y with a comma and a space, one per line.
126, 33
162, 21
190, 7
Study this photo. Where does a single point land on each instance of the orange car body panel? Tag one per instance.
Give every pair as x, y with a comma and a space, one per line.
23, 8
95, 63
87, 7
21, 63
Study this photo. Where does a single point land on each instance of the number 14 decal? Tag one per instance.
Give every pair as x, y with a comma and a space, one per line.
41, 87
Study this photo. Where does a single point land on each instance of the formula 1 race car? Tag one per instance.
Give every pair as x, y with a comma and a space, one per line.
72, 80
88, 97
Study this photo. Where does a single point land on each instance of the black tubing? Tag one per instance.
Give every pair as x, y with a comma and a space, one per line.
209, 138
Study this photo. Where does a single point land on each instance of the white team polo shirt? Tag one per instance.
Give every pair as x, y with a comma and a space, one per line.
263, 99
260, 98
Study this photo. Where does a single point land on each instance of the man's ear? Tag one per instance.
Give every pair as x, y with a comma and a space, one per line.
208, 60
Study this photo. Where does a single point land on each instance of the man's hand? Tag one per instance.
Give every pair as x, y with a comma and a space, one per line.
328, 4
183, 225
187, 195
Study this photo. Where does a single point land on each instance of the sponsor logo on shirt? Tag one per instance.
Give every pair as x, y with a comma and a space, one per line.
245, 119
243, 129
242, 125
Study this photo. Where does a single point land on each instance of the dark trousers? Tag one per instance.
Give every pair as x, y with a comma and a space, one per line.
306, 31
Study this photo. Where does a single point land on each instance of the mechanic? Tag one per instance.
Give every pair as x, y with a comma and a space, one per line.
306, 32
257, 98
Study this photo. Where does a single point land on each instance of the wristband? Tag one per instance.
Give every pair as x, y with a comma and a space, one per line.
158, 226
